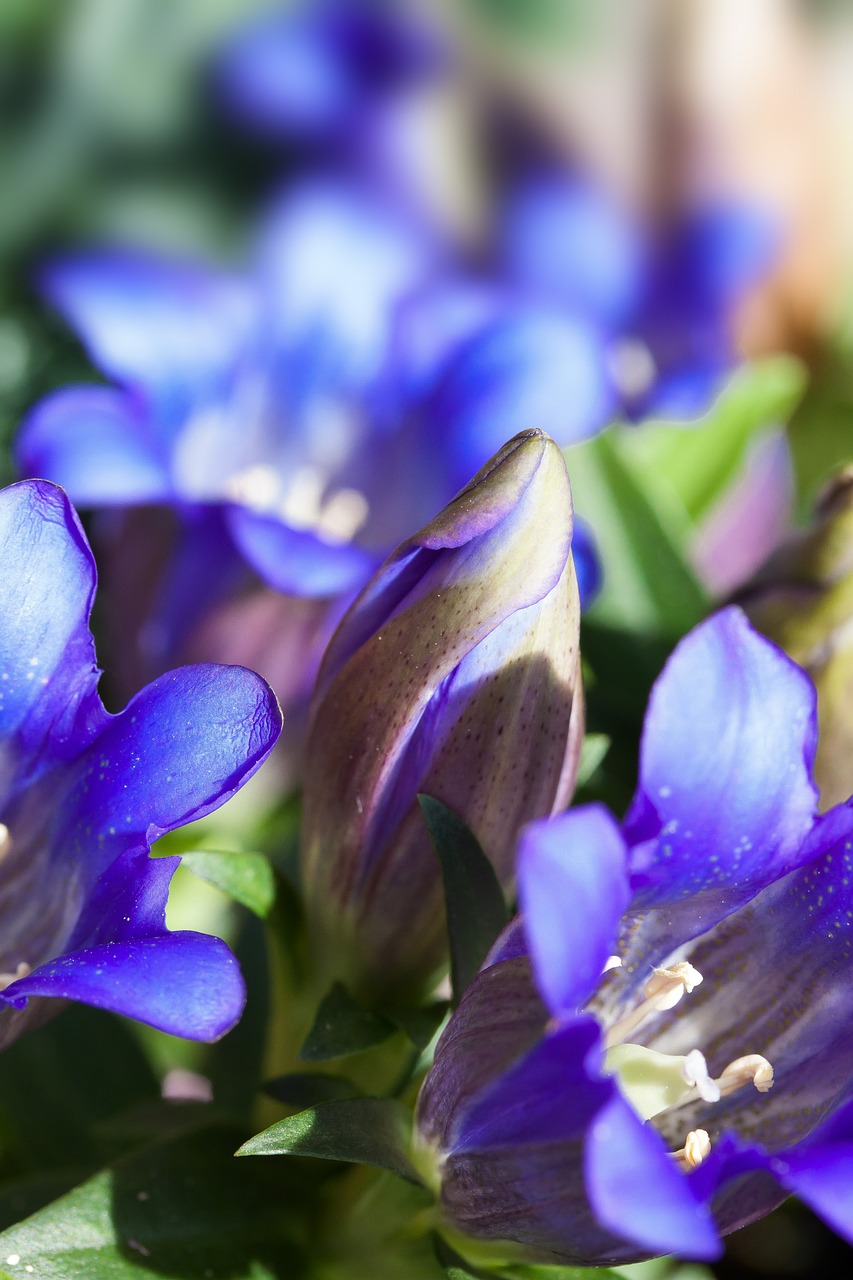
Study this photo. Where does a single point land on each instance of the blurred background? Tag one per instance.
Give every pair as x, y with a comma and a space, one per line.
626, 221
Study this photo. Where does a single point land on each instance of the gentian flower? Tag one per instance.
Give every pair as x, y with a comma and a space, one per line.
662, 303
243, 405
454, 673
320, 72
665, 1025
83, 794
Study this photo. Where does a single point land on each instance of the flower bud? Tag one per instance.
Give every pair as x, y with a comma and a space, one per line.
803, 600
455, 674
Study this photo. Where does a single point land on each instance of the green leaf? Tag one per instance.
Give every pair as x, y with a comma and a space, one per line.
181, 1209
594, 749
61, 1081
304, 1089
642, 534
558, 1273
699, 461
371, 1131
420, 1025
476, 910
343, 1026
246, 877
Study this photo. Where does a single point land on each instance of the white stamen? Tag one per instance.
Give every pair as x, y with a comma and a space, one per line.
663, 991
695, 1072
256, 487
5, 841
697, 1148
612, 962
343, 515
23, 971
751, 1069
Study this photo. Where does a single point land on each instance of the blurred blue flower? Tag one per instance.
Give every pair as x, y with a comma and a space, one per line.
317, 72
662, 301
244, 403
83, 794
572, 1108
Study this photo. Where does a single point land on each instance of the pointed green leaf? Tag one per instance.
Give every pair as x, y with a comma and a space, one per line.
371, 1131
304, 1089
420, 1025
476, 911
246, 877
643, 534
343, 1026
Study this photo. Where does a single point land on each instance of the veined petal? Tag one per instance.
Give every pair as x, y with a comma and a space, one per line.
133, 782
573, 888
550, 1095
726, 798
95, 442
48, 691
188, 984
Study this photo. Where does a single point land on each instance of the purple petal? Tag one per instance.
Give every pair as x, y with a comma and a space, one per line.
297, 561
185, 983
573, 888
133, 782
550, 1095
95, 442
636, 1190
499, 1019
725, 797
48, 692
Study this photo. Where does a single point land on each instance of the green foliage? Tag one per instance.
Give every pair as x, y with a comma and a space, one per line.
246, 877
372, 1131
182, 1208
342, 1026
476, 911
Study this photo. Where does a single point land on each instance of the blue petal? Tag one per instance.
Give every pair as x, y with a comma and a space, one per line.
48, 692
531, 367
636, 1190
96, 443
571, 243
169, 328
335, 263
185, 983
588, 565
297, 561
133, 782
725, 797
550, 1095
573, 888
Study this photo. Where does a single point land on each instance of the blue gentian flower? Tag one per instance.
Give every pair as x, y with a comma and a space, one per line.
243, 403
318, 72
662, 302
665, 1025
83, 794
455, 673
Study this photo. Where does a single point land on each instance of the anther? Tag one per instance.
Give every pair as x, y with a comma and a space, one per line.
612, 962
697, 1148
22, 971
694, 1071
663, 991
751, 1069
